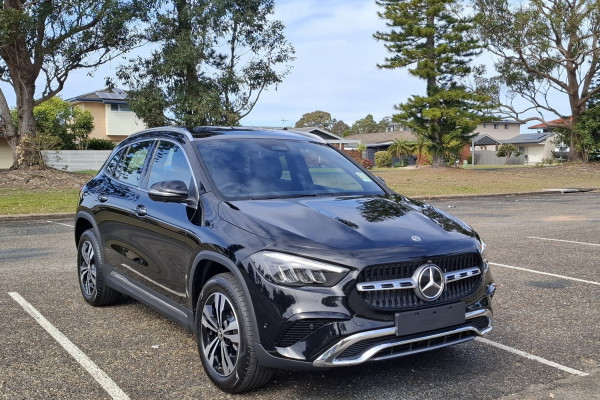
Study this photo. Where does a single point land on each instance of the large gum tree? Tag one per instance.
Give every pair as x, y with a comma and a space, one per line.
41, 43
213, 60
547, 55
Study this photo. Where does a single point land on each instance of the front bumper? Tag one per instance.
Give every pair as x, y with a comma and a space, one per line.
381, 344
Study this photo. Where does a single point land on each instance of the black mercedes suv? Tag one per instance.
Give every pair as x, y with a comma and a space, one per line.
277, 251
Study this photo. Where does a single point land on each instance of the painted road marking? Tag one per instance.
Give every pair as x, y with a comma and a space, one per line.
531, 357
547, 273
104, 380
564, 241
60, 223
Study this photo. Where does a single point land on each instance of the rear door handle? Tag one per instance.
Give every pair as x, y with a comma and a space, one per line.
141, 210
102, 197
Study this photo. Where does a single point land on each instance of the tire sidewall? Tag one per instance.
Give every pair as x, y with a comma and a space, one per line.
223, 284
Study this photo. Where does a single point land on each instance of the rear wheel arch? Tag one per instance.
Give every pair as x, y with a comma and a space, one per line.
83, 222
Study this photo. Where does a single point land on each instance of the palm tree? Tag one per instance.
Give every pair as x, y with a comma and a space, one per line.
401, 147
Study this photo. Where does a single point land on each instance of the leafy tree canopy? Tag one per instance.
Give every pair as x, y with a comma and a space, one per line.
555, 56
214, 59
321, 119
365, 125
507, 150
340, 128
42, 42
70, 126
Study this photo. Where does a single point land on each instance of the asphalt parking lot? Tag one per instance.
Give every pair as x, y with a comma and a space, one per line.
545, 254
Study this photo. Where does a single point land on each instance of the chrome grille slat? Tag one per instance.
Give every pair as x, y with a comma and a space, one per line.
405, 298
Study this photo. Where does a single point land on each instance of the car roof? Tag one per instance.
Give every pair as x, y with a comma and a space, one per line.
208, 132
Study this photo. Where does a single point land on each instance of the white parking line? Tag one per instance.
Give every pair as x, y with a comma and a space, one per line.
547, 273
60, 223
104, 380
564, 241
531, 357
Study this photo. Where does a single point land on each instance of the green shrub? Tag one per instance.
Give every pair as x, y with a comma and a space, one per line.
100, 144
383, 159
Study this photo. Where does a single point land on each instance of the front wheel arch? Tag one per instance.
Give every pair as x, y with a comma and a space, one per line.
206, 265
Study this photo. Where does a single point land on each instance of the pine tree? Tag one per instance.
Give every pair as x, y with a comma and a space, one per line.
437, 45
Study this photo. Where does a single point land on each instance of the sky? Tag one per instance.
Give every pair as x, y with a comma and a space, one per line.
335, 68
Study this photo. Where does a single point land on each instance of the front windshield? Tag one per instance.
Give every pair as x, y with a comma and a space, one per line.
275, 168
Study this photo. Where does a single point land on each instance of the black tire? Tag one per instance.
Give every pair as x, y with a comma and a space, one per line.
90, 275
224, 331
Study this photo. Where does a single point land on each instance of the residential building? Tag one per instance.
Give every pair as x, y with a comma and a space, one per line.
500, 129
113, 120
329, 137
379, 141
536, 147
491, 136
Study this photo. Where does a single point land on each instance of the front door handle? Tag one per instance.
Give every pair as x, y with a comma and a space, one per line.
102, 197
141, 210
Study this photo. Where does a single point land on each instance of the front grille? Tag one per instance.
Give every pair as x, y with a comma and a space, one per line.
357, 349
300, 329
406, 298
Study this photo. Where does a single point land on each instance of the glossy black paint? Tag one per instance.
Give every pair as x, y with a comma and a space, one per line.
161, 249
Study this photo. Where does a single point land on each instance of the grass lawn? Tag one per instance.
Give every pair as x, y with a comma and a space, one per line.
38, 202
426, 181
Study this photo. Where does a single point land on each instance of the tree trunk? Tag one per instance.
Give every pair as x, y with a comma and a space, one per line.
27, 152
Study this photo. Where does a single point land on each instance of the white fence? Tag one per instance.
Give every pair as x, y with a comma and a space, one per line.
75, 160
488, 157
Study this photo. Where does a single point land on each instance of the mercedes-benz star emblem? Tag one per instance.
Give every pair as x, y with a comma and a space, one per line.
430, 282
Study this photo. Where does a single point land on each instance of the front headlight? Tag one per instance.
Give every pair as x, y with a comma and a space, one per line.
285, 269
482, 245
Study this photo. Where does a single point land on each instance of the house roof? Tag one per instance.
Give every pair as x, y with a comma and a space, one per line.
558, 121
382, 138
485, 140
106, 96
530, 138
324, 134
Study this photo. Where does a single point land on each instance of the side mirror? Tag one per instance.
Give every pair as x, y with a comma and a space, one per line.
169, 191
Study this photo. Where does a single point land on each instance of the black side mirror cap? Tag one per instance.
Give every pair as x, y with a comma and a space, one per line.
169, 191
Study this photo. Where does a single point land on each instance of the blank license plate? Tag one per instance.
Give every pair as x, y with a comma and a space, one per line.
429, 319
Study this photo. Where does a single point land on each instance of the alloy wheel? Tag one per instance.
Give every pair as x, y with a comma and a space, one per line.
87, 269
220, 334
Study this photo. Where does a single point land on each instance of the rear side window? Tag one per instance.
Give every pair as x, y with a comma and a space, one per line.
169, 164
127, 165
112, 168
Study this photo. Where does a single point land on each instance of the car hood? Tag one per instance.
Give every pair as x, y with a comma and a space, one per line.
350, 224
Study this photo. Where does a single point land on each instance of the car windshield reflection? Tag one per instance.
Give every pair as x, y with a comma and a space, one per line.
276, 169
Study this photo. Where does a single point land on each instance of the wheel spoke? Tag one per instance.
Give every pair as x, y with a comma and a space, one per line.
220, 301
232, 333
87, 252
226, 362
208, 320
210, 351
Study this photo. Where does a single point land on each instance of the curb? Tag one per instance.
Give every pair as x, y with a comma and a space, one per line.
516, 194
548, 192
35, 217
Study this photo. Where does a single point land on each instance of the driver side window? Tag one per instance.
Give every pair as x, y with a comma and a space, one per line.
169, 164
